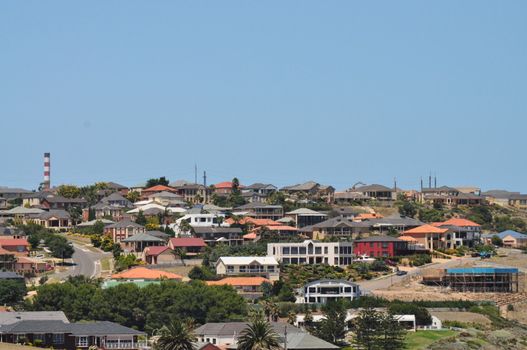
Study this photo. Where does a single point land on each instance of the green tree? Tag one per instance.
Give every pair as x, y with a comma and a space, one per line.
392, 333
141, 219
178, 335
181, 254
69, 191
133, 196
422, 316
408, 209
98, 227
496, 240
259, 335
154, 182
333, 327
367, 329
12, 291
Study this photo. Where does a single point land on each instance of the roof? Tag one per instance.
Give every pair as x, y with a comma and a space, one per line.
225, 184
506, 233
158, 234
16, 316
281, 228
396, 220
54, 213
93, 222
156, 250
253, 221
305, 211
460, 223
239, 281
247, 260
254, 205
306, 186
479, 270
158, 188
407, 238
9, 242
425, 229
379, 239
372, 188
211, 229
341, 221
258, 186
58, 326
183, 242
250, 236
123, 224
9, 275
330, 281
165, 194
142, 237
144, 273
22, 211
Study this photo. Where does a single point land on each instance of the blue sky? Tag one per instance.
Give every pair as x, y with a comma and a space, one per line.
274, 91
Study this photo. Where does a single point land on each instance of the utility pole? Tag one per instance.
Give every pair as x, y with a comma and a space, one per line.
285, 337
195, 173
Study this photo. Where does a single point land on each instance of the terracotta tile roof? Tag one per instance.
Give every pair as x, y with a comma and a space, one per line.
224, 184
155, 250
282, 228
425, 229
255, 222
251, 235
159, 188
367, 216
3, 252
407, 238
183, 242
459, 223
147, 274
9, 242
239, 281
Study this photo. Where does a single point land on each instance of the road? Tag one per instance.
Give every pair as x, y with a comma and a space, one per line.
386, 282
85, 261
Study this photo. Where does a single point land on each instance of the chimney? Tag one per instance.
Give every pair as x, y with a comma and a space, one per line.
46, 185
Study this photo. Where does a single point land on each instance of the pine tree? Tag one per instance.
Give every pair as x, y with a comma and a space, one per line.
140, 219
393, 333
367, 329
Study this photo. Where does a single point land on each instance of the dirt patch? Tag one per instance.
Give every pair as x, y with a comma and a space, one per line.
461, 316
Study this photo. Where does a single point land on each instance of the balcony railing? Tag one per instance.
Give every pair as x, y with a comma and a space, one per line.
125, 345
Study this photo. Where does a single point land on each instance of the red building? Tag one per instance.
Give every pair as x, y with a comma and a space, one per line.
380, 246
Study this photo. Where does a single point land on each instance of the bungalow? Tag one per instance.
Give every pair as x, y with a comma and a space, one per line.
123, 229
261, 189
248, 265
156, 189
52, 201
72, 336
510, 239
306, 217
226, 335
190, 245
26, 266
310, 190
159, 255
518, 201
380, 246
140, 276
166, 198
248, 287
18, 246
55, 219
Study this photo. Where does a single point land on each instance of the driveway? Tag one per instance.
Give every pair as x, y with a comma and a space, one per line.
85, 261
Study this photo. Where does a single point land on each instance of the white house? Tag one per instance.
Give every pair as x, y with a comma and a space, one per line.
312, 252
322, 291
248, 265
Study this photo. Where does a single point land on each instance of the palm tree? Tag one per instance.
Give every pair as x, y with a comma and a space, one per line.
178, 335
259, 335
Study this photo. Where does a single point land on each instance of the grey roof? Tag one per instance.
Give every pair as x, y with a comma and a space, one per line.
306, 186
440, 189
305, 211
505, 234
254, 205
217, 230
124, 224
51, 198
158, 234
166, 194
396, 220
116, 197
9, 275
93, 222
9, 190
57, 326
518, 196
259, 186
54, 213
16, 316
379, 239
142, 237
501, 194
10, 231
296, 338
115, 185
340, 221
179, 183
372, 188
22, 211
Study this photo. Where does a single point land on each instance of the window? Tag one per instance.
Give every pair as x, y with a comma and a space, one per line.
243, 268
82, 341
285, 250
303, 250
58, 338
37, 336
326, 250
318, 250
230, 269
294, 250
270, 268
347, 289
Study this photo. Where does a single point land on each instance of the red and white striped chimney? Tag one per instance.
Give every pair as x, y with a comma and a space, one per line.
47, 171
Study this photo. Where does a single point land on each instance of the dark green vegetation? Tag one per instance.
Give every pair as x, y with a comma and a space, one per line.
374, 330
146, 308
177, 335
12, 292
57, 244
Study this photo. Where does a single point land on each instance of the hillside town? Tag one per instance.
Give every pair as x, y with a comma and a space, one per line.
222, 266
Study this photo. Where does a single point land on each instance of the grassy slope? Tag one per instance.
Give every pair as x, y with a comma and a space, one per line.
422, 339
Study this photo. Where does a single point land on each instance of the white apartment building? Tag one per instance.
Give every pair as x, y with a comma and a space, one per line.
322, 291
312, 252
265, 266
200, 220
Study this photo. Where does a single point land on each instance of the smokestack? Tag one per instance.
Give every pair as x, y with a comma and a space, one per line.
421, 184
435, 181
430, 181
46, 185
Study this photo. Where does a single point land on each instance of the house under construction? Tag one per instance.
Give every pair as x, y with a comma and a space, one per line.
475, 279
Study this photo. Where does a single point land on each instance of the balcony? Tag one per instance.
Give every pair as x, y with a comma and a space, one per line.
125, 345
